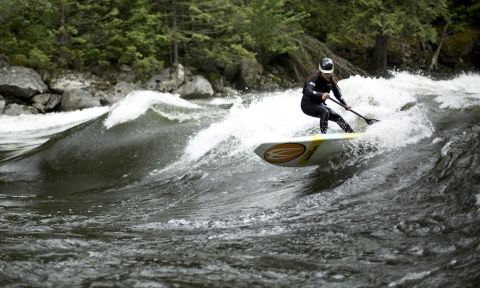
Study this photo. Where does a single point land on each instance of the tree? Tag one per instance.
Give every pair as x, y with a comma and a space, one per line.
143, 35
24, 32
274, 28
216, 34
321, 17
380, 20
108, 33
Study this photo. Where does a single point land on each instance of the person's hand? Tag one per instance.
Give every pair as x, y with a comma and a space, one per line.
325, 96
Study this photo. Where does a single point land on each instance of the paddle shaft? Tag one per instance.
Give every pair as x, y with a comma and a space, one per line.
347, 108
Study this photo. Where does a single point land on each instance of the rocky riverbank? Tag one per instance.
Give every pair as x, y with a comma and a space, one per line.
26, 91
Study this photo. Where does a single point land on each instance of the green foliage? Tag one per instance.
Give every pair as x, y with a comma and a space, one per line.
464, 14
24, 34
375, 23
38, 58
211, 35
273, 28
389, 18
321, 16
204, 32
144, 65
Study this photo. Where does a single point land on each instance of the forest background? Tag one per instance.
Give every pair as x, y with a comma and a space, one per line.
219, 38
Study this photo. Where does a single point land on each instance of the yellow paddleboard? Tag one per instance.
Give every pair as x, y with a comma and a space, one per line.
304, 151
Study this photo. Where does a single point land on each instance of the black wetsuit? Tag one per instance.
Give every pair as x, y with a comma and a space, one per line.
313, 105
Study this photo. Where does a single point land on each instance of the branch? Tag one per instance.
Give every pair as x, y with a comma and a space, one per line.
305, 60
434, 64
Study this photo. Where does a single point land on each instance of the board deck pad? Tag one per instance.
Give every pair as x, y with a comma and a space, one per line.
304, 151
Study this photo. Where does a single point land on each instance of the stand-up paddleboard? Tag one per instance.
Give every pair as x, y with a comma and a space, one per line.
304, 151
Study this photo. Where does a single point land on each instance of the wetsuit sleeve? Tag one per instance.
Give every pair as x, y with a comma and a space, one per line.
310, 92
338, 94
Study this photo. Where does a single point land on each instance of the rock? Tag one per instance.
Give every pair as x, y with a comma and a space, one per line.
126, 74
41, 98
226, 92
3, 61
101, 94
250, 72
229, 91
218, 84
121, 90
54, 102
460, 49
21, 82
169, 80
199, 87
46, 102
16, 109
75, 99
39, 101
68, 80
39, 107
155, 80
407, 106
2, 104
71, 80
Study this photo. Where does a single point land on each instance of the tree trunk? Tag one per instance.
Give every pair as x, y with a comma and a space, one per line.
174, 57
62, 40
302, 62
381, 54
433, 65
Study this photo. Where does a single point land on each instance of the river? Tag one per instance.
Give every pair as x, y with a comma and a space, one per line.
157, 191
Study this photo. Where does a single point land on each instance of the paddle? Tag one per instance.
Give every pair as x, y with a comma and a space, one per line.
369, 121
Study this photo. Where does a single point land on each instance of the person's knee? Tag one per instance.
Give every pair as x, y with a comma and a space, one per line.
324, 112
335, 117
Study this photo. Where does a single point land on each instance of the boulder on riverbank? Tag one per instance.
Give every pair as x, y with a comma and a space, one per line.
65, 90
179, 80
21, 82
15, 109
46, 102
168, 80
3, 103
197, 87
76, 99
64, 80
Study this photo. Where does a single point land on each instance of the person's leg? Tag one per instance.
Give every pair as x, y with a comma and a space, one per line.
334, 116
319, 111
324, 116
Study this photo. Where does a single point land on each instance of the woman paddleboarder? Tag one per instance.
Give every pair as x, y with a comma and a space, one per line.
316, 92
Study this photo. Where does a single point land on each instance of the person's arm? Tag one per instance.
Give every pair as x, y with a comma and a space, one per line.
309, 90
338, 95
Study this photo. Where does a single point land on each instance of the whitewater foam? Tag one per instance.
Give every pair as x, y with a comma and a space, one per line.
20, 134
411, 278
461, 92
278, 115
52, 121
270, 116
138, 102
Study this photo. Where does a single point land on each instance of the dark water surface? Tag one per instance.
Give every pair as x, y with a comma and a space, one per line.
173, 196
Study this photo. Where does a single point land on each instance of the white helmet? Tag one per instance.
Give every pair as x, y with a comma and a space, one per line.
326, 65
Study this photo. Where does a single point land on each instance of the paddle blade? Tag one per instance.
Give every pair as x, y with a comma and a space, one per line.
371, 121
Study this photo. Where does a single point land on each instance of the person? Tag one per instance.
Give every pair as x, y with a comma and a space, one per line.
316, 91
